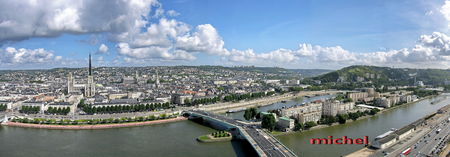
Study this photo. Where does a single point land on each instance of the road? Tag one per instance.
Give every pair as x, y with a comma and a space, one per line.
269, 146
428, 141
432, 143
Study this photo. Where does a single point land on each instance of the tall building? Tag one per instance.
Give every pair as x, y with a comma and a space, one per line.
330, 108
89, 90
70, 83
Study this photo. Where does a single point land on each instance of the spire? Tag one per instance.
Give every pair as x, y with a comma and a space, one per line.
90, 67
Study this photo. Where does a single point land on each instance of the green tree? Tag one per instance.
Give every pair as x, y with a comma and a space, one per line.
327, 120
299, 126
310, 124
342, 118
268, 122
250, 113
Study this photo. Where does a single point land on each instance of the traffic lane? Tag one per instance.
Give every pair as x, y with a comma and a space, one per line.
434, 139
439, 140
426, 147
426, 142
267, 146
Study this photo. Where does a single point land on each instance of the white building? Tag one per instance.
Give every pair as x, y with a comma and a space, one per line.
330, 108
358, 96
285, 124
304, 113
383, 102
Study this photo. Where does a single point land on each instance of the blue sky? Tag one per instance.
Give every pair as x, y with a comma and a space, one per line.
233, 32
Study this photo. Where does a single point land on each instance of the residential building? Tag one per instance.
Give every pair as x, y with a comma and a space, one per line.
285, 124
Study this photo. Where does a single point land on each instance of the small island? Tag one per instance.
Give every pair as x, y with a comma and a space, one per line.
219, 136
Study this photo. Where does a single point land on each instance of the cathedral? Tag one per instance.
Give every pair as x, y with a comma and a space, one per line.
88, 88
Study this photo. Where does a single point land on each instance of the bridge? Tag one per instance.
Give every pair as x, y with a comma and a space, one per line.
263, 143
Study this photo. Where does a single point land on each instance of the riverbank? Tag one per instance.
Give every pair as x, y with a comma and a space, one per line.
224, 107
91, 127
321, 126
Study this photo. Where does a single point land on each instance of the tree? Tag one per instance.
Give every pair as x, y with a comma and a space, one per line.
268, 122
354, 116
310, 124
374, 111
327, 120
250, 113
342, 118
3, 107
299, 126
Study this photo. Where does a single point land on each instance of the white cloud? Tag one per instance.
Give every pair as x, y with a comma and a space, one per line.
157, 34
171, 39
127, 24
204, 39
30, 18
103, 48
13, 56
172, 13
152, 52
445, 10
273, 57
430, 51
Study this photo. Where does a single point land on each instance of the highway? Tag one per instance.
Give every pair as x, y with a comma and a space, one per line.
432, 143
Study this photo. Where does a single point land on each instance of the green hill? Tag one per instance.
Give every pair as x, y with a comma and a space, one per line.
386, 75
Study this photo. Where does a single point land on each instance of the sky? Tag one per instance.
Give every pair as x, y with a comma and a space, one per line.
301, 34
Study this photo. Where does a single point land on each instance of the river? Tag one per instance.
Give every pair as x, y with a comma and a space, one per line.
178, 139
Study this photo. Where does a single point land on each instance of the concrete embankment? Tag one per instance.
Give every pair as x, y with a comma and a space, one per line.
89, 127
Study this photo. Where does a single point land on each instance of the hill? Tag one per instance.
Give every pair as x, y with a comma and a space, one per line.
386, 75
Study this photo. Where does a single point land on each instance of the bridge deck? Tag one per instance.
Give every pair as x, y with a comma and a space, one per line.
265, 144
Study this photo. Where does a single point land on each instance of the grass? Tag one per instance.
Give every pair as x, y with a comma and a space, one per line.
204, 137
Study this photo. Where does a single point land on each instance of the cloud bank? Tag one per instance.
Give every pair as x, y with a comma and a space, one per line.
127, 24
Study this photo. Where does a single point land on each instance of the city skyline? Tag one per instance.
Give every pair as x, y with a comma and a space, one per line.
298, 35
229, 78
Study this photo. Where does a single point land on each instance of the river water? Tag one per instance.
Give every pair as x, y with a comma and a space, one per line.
178, 139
